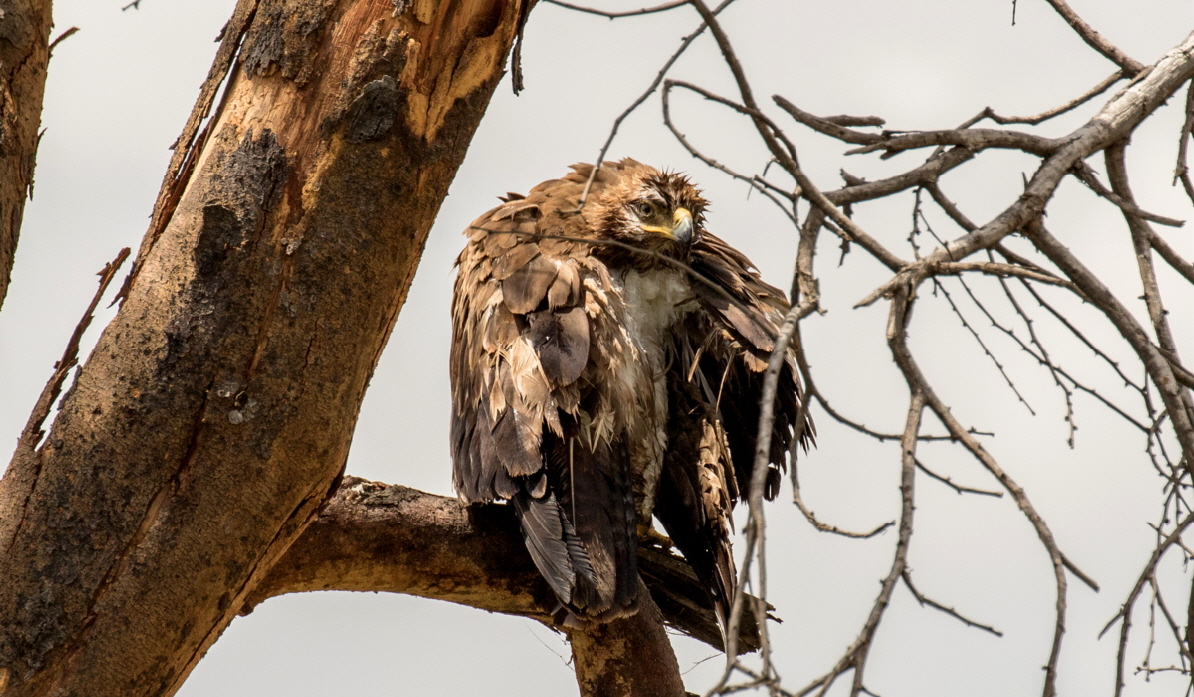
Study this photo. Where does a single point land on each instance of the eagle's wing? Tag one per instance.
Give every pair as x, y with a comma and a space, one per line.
715, 384
538, 417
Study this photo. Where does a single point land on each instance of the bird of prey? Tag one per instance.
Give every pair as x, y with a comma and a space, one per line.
607, 363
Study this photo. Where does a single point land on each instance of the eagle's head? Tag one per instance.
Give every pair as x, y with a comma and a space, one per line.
659, 211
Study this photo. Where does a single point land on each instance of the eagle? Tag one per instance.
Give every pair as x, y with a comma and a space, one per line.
607, 365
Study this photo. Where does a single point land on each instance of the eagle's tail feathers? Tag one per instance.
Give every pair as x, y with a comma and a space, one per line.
546, 533
582, 534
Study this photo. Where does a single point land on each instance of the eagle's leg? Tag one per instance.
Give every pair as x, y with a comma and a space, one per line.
648, 535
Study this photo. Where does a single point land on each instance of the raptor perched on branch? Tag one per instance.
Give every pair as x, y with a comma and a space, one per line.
607, 364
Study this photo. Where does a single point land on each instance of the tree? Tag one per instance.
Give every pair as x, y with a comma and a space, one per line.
217, 344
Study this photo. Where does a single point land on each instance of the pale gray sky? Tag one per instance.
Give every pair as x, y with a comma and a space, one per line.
121, 88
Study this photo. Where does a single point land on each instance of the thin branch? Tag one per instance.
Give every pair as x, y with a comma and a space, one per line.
897, 339
974, 139
1113, 122
907, 577
756, 525
613, 131
1154, 362
850, 231
756, 182
614, 15
982, 344
1142, 234
956, 487
878, 435
1055, 111
1087, 176
1170, 255
855, 657
1079, 335
1182, 171
1125, 611
825, 527
32, 433
924, 175
63, 37
829, 127
1095, 40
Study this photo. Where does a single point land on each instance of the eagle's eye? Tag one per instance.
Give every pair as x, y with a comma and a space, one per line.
646, 209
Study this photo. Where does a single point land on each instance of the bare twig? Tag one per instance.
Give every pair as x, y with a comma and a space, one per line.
1095, 40
614, 15
32, 432
1087, 176
63, 37
1058, 110
907, 577
956, 487
1125, 611
613, 131
971, 139
1155, 363
1182, 171
897, 340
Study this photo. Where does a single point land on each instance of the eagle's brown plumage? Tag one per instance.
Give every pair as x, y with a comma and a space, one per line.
595, 384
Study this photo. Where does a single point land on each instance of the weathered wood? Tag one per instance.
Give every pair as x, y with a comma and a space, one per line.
628, 657
24, 54
214, 416
377, 537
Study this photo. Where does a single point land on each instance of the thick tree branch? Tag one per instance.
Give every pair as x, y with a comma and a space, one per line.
377, 537
629, 657
24, 56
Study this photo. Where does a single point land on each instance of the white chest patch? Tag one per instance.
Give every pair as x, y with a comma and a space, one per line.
655, 301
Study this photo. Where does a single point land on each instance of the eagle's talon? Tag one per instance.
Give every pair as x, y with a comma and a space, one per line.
651, 537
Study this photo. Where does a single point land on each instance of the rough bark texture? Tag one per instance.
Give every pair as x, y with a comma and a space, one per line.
629, 657
214, 416
374, 537
24, 54
378, 537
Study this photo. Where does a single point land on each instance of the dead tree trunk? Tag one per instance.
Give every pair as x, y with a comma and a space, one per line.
214, 417
24, 54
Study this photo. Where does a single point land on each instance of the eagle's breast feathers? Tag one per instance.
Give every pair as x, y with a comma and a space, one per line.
596, 383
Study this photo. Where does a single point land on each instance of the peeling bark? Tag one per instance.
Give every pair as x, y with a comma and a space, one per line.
214, 416
24, 55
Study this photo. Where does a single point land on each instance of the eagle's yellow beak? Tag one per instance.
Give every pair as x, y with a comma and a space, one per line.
680, 229
682, 226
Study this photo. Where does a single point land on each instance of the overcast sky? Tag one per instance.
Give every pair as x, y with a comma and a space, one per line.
119, 92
